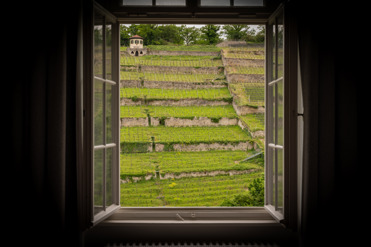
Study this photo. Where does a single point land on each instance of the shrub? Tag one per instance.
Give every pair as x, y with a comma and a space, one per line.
253, 197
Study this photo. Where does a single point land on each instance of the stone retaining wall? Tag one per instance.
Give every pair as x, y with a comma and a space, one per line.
242, 62
182, 102
159, 147
243, 110
182, 53
178, 122
181, 70
171, 84
244, 78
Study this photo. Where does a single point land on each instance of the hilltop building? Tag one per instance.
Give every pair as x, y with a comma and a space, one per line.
136, 46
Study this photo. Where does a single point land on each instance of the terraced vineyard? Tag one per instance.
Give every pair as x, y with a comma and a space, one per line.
188, 125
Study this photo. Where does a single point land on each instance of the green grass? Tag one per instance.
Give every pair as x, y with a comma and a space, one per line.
251, 94
186, 192
178, 111
254, 121
245, 70
186, 135
141, 164
176, 94
128, 75
180, 61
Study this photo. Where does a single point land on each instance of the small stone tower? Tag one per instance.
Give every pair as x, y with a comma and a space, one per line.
136, 46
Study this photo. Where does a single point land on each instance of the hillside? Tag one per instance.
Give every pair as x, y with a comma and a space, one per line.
189, 118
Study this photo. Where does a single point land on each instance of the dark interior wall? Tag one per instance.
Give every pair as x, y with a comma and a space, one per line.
41, 187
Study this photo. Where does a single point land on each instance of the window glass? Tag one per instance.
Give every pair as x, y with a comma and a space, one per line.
248, 3
109, 105
171, 2
215, 2
108, 33
98, 45
136, 2
279, 177
109, 176
98, 112
279, 110
98, 181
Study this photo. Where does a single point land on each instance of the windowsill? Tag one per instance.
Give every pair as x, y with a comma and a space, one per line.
195, 224
196, 215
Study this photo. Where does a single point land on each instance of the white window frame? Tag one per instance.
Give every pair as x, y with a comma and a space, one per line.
246, 216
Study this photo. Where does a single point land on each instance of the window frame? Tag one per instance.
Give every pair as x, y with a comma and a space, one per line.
118, 214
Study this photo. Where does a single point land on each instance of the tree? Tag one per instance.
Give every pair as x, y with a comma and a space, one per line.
210, 34
260, 35
189, 34
236, 31
149, 33
169, 34
254, 197
126, 32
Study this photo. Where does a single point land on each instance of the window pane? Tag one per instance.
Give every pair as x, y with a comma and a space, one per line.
274, 47
273, 176
248, 3
279, 163
98, 112
279, 46
171, 2
109, 176
108, 51
215, 2
271, 113
136, 2
98, 45
279, 100
98, 181
109, 105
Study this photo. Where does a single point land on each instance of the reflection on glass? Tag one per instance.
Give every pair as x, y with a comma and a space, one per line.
215, 2
98, 45
109, 176
279, 153
279, 46
98, 181
248, 3
109, 105
171, 2
108, 52
98, 112
280, 123
136, 2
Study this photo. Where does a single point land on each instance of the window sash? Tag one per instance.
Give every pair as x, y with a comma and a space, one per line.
275, 82
105, 161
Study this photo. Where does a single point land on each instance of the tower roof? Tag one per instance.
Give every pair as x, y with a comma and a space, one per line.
136, 37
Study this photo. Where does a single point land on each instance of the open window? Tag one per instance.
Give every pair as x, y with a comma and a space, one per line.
106, 132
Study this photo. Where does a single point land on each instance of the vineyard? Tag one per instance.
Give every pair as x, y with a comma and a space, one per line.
189, 124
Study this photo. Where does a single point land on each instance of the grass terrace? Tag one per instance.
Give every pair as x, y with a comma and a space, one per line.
245, 70
251, 94
179, 61
185, 135
176, 163
205, 191
128, 75
139, 111
176, 94
254, 121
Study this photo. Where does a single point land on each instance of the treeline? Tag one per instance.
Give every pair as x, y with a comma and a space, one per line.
154, 34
